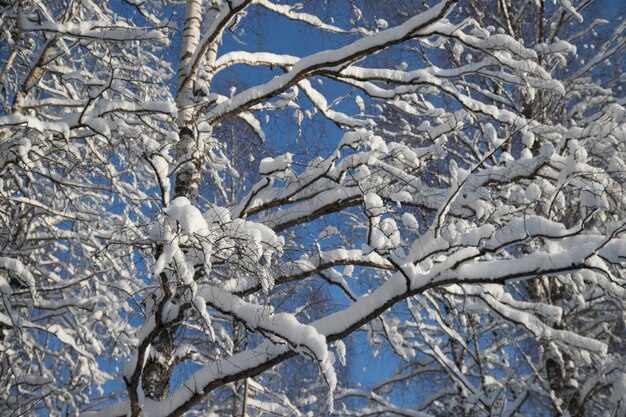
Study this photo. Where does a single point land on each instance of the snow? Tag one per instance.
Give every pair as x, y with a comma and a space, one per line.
556, 47
276, 166
95, 29
130, 366
491, 135
567, 5
410, 222
19, 271
187, 216
547, 150
146, 106
254, 58
200, 305
340, 348
533, 192
32, 122
320, 103
385, 235
355, 138
288, 11
66, 338
618, 392
374, 205
401, 197
360, 103
169, 311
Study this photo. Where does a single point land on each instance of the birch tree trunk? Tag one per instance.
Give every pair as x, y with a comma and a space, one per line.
188, 157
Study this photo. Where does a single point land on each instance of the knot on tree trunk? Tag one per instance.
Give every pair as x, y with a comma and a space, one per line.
155, 379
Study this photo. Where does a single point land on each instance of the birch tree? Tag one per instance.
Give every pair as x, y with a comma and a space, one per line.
456, 181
